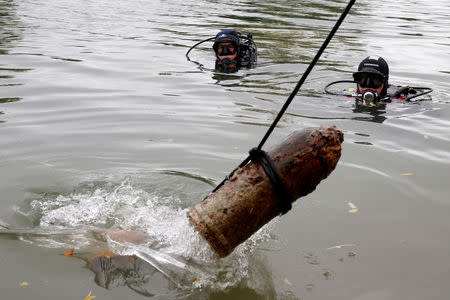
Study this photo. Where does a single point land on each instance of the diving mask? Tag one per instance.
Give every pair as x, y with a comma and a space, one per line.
368, 80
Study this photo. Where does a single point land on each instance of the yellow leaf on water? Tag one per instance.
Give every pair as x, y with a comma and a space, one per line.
407, 174
353, 207
24, 283
425, 136
69, 252
89, 297
287, 281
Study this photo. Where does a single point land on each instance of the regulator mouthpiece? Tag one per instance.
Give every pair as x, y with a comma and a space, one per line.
370, 97
227, 62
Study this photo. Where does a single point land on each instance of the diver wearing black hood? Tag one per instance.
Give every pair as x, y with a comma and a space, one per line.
372, 77
234, 51
372, 85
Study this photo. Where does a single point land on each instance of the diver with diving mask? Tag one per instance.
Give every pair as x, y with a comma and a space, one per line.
372, 79
233, 51
372, 85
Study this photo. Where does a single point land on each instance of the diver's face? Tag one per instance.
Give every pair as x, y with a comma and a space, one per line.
369, 82
226, 50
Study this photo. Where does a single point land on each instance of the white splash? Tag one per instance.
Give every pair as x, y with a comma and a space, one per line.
174, 247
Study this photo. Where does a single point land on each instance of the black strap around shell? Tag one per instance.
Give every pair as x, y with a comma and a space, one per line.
284, 197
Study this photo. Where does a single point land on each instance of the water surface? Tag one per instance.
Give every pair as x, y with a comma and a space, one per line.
105, 124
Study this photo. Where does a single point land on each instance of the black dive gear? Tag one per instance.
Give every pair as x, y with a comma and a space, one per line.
373, 72
393, 93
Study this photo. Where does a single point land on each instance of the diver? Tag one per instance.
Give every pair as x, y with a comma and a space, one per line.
372, 85
233, 51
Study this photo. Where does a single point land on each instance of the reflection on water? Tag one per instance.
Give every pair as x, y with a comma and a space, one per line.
11, 27
374, 114
11, 31
7, 100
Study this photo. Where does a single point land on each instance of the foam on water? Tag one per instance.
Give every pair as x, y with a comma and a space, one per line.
173, 247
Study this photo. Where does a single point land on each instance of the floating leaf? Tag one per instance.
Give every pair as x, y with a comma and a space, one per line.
328, 275
407, 174
89, 297
196, 279
69, 252
425, 136
287, 281
24, 283
353, 207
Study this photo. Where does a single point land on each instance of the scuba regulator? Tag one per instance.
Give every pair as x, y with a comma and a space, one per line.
370, 97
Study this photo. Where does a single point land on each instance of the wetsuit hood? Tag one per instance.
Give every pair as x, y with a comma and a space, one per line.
226, 36
375, 65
